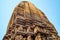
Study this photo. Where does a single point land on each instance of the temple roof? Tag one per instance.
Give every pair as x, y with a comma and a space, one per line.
28, 11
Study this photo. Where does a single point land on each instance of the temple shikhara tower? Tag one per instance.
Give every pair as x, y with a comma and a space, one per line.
29, 23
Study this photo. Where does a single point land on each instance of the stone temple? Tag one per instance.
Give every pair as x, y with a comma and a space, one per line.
29, 23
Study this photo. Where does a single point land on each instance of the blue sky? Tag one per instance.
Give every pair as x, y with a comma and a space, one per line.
51, 8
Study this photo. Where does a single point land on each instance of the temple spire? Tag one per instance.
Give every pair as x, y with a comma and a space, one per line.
30, 23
